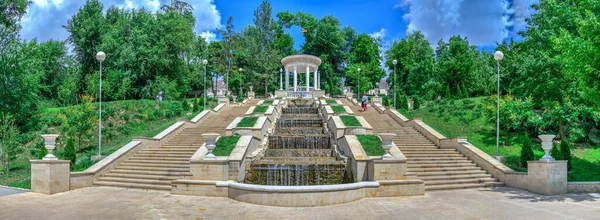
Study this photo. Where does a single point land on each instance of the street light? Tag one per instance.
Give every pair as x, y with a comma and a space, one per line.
100, 56
241, 92
395, 62
498, 56
359, 82
204, 98
280, 79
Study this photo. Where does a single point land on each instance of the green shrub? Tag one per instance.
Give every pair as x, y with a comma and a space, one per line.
416, 102
196, 105
555, 152
42, 151
565, 152
371, 144
526, 151
70, 153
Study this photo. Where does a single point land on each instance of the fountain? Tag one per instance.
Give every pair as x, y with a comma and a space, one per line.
299, 151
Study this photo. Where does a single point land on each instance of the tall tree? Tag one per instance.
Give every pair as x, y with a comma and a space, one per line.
415, 68
364, 51
229, 37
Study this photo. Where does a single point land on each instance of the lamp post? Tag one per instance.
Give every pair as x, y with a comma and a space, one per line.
395, 62
241, 92
359, 82
100, 56
204, 98
280, 79
498, 56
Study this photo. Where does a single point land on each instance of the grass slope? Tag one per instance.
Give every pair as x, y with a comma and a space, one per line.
268, 102
122, 120
260, 109
247, 122
338, 108
371, 144
466, 117
225, 145
350, 120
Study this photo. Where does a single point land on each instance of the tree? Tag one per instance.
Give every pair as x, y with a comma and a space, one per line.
565, 152
79, 121
8, 139
415, 63
364, 54
229, 37
555, 152
526, 151
70, 153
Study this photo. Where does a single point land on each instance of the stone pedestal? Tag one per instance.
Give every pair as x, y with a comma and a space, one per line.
377, 99
223, 99
547, 178
251, 95
50, 176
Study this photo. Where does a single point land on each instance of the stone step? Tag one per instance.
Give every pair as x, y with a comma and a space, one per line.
431, 155
461, 158
167, 152
171, 155
453, 182
159, 158
454, 186
414, 144
166, 149
450, 173
139, 176
428, 151
437, 169
167, 169
131, 180
453, 177
437, 165
132, 160
143, 172
181, 165
133, 185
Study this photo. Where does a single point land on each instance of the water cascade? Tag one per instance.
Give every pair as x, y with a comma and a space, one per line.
299, 151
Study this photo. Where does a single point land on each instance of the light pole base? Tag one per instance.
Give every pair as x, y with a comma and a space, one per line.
499, 158
97, 157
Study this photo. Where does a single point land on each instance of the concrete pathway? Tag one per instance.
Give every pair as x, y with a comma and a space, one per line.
119, 203
5, 191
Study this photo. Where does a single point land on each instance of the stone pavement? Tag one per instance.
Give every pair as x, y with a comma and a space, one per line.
5, 191
120, 203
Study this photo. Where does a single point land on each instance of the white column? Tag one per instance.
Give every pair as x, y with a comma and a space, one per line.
315, 79
295, 78
287, 79
307, 78
280, 80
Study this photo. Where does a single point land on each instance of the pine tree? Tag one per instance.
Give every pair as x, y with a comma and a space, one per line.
555, 152
42, 151
196, 104
70, 153
448, 94
185, 105
565, 153
526, 151
416, 103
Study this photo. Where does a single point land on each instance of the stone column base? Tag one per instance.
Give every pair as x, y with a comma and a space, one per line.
547, 178
50, 176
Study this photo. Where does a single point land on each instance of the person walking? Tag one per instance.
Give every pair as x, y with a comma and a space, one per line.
365, 101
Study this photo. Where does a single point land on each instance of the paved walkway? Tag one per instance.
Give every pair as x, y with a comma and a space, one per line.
5, 191
118, 203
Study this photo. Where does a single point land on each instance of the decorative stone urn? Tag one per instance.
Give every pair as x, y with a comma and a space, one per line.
210, 143
251, 87
547, 146
386, 143
50, 144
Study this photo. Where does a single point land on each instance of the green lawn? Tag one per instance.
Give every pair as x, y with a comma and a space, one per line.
225, 145
330, 101
122, 120
260, 109
268, 102
350, 120
338, 108
247, 122
467, 118
371, 144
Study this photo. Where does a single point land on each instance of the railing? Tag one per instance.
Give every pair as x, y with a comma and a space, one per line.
292, 94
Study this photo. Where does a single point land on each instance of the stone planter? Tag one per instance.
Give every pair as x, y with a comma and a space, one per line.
338, 128
386, 143
50, 144
210, 144
547, 146
271, 113
259, 130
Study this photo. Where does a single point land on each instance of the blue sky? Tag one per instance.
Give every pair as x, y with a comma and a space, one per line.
483, 22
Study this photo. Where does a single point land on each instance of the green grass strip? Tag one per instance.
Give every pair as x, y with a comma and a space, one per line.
371, 144
338, 108
268, 102
225, 145
260, 109
350, 120
330, 101
247, 122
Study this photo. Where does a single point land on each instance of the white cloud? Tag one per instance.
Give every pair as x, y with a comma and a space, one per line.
45, 18
208, 36
379, 34
482, 22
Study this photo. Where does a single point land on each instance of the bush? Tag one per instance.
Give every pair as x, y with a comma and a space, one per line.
185, 105
42, 151
565, 153
401, 101
416, 102
555, 152
196, 105
70, 153
526, 151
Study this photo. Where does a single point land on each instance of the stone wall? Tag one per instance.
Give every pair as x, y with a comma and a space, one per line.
583, 187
